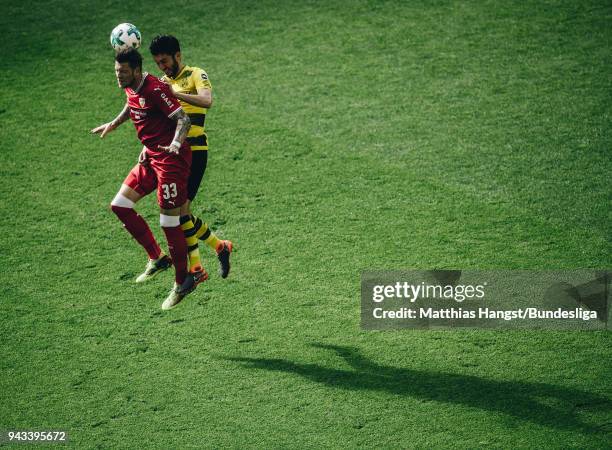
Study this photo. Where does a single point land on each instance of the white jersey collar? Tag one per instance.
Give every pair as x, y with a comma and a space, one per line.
144, 76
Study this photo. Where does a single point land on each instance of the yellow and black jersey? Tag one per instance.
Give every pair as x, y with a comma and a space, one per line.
188, 81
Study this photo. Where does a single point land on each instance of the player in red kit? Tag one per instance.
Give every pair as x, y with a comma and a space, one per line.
164, 164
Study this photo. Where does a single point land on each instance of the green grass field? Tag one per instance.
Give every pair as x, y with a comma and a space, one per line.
344, 136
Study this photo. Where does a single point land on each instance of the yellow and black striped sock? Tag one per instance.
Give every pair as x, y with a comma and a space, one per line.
192, 243
203, 233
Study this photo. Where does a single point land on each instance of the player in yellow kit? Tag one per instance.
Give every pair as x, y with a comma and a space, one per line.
194, 91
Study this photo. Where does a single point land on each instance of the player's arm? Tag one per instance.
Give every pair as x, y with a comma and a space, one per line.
106, 128
203, 98
183, 123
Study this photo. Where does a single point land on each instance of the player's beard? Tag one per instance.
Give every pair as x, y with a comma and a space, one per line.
124, 83
175, 67
127, 82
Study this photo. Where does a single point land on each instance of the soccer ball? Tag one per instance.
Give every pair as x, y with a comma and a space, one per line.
125, 35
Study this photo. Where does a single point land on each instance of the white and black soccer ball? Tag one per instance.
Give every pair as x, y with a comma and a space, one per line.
124, 36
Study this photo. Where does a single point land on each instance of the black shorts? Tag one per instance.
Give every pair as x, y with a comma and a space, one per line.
199, 159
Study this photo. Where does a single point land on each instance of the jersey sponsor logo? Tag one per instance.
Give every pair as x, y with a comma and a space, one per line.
167, 100
141, 101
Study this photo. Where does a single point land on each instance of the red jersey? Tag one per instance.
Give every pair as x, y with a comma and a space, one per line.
152, 105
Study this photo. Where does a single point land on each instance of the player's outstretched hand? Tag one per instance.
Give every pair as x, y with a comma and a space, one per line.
170, 149
103, 129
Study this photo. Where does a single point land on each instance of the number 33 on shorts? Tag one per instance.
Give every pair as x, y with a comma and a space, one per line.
169, 190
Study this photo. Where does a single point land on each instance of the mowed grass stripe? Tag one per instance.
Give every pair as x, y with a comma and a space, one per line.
343, 137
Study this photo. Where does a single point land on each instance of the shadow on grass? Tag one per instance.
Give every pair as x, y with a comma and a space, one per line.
552, 406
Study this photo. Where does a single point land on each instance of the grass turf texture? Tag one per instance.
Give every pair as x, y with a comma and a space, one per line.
344, 136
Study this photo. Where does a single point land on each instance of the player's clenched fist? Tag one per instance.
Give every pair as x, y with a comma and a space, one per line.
143, 160
172, 148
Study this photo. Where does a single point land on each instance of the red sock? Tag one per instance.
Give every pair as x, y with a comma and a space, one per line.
178, 251
139, 229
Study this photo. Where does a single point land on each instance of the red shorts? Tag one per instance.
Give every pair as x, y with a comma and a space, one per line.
167, 172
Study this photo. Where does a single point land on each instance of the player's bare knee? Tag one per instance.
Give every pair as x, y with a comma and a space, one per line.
130, 193
185, 210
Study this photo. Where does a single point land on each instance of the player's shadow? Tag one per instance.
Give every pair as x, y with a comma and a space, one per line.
552, 406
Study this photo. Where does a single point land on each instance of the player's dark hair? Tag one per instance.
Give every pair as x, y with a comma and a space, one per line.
130, 56
164, 44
